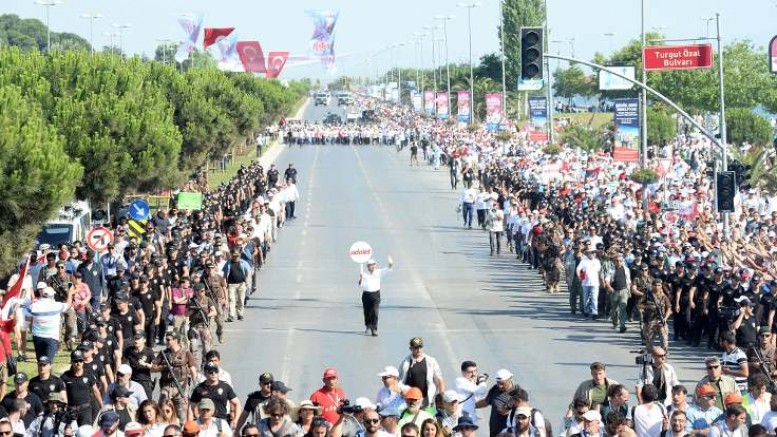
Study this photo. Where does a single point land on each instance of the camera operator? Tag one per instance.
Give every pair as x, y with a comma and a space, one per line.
656, 371
351, 419
55, 420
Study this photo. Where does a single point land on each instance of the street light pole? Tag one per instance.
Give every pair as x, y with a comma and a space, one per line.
722, 122
610, 37
164, 43
445, 20
48, 4
121, 28
502, 46
91, 18
643, 116
469, 7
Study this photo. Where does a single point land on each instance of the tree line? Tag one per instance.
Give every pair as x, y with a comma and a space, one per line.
73, 125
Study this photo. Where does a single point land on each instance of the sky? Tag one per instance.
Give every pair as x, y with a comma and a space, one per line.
366, 27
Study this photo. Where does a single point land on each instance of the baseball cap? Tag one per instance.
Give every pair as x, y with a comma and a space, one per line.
266, 377
732, 398
503, 375
364, 403
389, 371
211, 367
124, 369
86, 346
371, 261
590, 415
451, 396
705, 390
77, 355
191, 428
41, 285
44, 360
280, 386
206, 404
119, 391
526, 411
48, 292
133, 428
108, 419
330, 372
413, 393
416, 342
20, 378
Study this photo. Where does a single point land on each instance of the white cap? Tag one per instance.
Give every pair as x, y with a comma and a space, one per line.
503, 375
48, 292
389, 371
592, 416
125, 369
44, 246
85, 431
41, 285
451, 396
365, 403
371, 261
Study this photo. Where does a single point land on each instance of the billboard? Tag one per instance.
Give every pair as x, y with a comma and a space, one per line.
611, 82
429, 101
493, 111
773, 55
626, 143
418, 101
463, 106
538, 113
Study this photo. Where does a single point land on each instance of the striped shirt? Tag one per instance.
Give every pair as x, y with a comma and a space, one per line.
46, 317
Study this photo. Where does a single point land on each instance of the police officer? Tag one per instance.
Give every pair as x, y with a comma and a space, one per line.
201, 309
715, 290
219, 392
81, 389
175, 364
45, 383
272, 176
139, 357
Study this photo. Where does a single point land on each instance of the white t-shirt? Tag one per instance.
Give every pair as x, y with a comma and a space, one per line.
371, 281
769, 421
592, 268
648, 421
46, 317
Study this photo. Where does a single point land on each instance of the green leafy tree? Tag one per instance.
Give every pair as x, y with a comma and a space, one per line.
583, 137
30, 34
745, 126
517, 14
490, 66
661, 126
36, 176
571, 82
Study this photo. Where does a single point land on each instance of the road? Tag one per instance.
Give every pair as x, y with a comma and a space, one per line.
445, 288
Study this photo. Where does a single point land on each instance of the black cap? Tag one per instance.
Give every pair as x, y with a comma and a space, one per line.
85, 346
20, 378
139, 335
657, 281
77, 355
280, 386
119, 391
266, 377
211, 367
643, 267
44, 359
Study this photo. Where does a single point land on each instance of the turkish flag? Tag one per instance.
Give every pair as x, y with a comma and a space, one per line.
212, 35
252, 56
275, 63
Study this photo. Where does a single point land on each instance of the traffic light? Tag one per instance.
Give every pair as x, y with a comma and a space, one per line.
532, 48
725, 191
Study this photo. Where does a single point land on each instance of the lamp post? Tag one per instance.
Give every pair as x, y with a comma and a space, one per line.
445, 20
504, 57
121, 28
469, 7
434, 66
91, 18
112, 36
164, 42
610, 37
707, 22
48, 4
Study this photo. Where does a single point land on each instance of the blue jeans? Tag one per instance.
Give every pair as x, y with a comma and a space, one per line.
45, 347
466, 212
591, 300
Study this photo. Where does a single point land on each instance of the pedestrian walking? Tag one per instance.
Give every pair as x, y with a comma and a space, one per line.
369, 281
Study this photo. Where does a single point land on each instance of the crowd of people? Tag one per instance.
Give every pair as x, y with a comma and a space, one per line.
159, 304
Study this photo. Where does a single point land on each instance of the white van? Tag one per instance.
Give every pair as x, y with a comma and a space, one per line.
71, 224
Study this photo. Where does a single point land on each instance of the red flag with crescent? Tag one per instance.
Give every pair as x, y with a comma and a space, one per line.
252, 56
212, 35
275, 63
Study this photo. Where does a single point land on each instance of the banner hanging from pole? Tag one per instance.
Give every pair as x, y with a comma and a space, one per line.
538, 118
493, 111
773, 55
429, 102
443, 111
463, 106
625, 147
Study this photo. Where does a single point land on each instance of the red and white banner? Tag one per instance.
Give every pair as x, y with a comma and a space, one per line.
463, 106
687, 57
773, 55
493, 111
252, 56
275, 63
214, 34
429, 102
443, 111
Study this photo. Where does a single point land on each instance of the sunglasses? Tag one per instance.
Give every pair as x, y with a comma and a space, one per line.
170, 435
251, 435
276, 415
712, 367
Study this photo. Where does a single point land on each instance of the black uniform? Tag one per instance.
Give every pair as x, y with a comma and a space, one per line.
140, 374
43, 388
220, 394
34, 409
79, 395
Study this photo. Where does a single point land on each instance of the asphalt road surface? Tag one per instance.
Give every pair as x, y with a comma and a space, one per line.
445, 288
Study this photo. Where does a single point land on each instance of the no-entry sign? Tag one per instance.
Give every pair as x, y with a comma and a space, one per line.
687, 57
360, 252
98, 239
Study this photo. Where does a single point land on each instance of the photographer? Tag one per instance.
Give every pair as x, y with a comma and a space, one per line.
55, 420
656, 371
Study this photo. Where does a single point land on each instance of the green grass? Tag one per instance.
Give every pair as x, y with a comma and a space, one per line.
597, 119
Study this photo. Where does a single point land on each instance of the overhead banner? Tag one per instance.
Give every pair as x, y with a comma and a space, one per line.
773, 55
538, 113
275, 63
463, 106
228, 57
214, 34
418, 101
493, 111
252, 56
429, 102
626, 130
191, 23
322, 43
611, 82
443, 111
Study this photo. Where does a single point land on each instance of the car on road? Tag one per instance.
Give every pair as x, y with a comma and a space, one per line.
352, 115
321, 99
369, 116
333, 119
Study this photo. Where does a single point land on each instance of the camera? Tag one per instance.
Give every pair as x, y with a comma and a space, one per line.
482, 378
644, 358
347, 408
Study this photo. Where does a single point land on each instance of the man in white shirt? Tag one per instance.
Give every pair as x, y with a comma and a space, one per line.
46, 315
471, 387
589, 271
369, 281
390, 395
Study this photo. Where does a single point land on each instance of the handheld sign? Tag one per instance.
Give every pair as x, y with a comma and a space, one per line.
98, 239
360, 252
139, 210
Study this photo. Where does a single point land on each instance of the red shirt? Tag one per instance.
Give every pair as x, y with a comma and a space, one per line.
329, 400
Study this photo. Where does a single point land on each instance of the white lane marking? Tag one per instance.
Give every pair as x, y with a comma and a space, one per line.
441, 326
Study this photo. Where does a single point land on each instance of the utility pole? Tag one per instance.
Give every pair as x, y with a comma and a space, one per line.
469, 7
504, 57
722, 122
91, 18
48, 5
643, 116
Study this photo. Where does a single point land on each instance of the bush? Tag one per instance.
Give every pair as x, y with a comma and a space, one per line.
644, 176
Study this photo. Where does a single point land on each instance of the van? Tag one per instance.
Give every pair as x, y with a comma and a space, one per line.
71, 223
